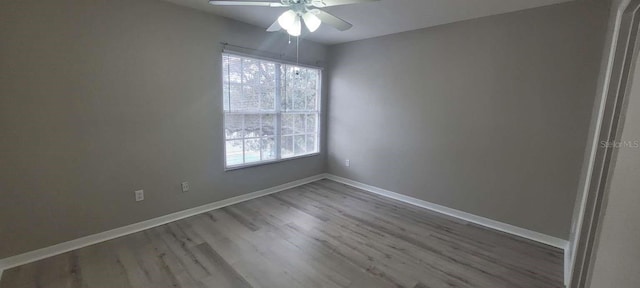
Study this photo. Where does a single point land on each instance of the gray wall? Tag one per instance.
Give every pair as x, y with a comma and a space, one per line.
488, 116
100, 98
617, 253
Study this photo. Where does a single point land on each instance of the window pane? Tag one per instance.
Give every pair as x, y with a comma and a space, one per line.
225, 97
251, 98
249, 71
251, 126
287, 146
234, 72
312, 100
309, 78
300, 145
236, 99
282, 88
312, 123
287, 124
296, 93
309, 86
225, 82
300, 88
225, 68
268, 86
267, 73
268, 148
311, 144
298, 97
287, 99
233, 126
299, 124
268, 99
268, 125
252, 150
289, 89
234, 152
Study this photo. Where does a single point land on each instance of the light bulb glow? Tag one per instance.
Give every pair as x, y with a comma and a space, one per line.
287, 19
296, 28
312, 21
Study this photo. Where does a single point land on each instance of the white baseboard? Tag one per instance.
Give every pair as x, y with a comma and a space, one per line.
493, 224
57, 249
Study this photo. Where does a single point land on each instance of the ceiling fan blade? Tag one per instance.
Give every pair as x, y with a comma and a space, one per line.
274, 27
328, 3
331, 20
246, 3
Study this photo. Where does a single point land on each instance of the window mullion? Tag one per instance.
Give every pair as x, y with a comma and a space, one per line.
278, 104
306, 116
260, 138
244, 136
242, 98
259, 85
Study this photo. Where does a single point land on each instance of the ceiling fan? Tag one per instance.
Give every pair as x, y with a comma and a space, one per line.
306, 11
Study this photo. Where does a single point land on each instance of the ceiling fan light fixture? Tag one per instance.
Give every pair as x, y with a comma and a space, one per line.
307, 11
312, 21
296, 27
287, 19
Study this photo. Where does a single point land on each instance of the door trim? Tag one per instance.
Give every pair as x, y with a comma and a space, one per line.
615, 106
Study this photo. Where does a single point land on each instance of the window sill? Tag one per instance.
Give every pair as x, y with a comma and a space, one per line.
256, 164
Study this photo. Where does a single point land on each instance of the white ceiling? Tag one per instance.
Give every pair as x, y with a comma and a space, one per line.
378, 18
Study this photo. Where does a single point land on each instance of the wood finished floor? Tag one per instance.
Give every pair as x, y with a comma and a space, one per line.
322, 234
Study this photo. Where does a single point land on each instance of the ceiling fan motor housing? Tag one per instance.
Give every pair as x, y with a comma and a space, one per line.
298, 6
294, 2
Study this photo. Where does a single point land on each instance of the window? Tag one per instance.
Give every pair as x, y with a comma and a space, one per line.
271, 110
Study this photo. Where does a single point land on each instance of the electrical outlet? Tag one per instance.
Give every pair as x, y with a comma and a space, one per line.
185, 186
347, 162
139, 195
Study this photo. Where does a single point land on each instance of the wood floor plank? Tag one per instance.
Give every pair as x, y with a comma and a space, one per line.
449, 258
247, 259
278, 251
100, 267
222, 273
322, 234
457, 234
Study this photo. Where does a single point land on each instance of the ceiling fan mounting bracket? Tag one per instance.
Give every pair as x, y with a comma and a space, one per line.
298, 2
298, 6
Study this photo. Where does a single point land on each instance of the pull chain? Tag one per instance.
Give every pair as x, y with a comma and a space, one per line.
298, 50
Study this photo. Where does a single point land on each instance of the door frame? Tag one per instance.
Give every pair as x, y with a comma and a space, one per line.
626, 48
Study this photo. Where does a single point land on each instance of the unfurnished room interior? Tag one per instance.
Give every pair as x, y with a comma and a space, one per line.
319, 143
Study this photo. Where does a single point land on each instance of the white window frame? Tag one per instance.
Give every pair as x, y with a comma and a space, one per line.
278, 112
